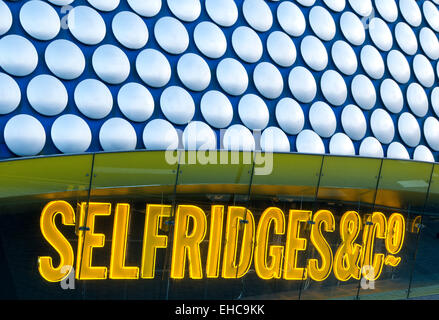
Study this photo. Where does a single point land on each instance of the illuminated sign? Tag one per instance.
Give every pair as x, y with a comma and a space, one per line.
244, 243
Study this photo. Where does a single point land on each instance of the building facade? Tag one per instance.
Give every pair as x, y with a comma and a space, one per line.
219, 149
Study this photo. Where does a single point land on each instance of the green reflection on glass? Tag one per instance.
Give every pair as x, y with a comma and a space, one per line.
40, 176
215, 172
403, 184
140, 170
294, 175
349, 179
432, 205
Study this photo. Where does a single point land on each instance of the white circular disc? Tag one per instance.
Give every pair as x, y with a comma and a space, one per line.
111, 64
362, 7
314, 53
429, 43
24, 135
222, 12
352, 28
104, 5
47, 95
398, 66
5, 18
408, 128
171, 35
18, 56
10, 94
289, 116
417, 99
322, 23
423, 70
406, 38
247, 44
64, 59
291, 18
302, 84
397, 151
380, 34
411, 12
135, 102
435, 100
71, 134
306, 3
216, 109
93, 99
253, 112
341, 145
130, 30
281, 49
257, 14
193, 71
363, 92
153, 68
232, 76
372, 62
186, 10
344, 57
431, 132
353, 122
86, 25
177, 105
322, 119
40, 20
422, 153
159, 134
61, 2
371, 147
268, 80
274, 139
335, 5
308, 141
333, 87
391, 95
387, 9
431, 14
210, 40
117, 134
382, 126
238, 138
145, 8
198, 136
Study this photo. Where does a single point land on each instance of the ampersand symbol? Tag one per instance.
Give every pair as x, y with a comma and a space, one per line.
348, 254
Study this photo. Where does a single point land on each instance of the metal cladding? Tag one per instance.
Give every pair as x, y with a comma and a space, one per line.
356, 77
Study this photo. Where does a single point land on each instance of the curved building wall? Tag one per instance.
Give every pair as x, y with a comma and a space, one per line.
317, 82
334, 77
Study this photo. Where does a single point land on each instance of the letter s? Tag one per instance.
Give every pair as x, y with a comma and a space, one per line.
56, 239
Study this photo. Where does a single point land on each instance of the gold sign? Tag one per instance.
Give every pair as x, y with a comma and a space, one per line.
270, 261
